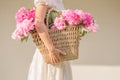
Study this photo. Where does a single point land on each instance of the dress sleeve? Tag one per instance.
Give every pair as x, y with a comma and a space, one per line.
41, 2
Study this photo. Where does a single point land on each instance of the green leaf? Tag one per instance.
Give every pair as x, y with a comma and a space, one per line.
52, 16
25, 38
84, 32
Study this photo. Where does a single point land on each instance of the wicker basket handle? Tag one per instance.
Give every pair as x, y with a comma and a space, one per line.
48, 14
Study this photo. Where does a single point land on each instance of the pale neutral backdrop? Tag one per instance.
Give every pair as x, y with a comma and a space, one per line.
99, 52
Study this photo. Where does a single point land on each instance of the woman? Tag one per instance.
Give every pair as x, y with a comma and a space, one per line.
39, 70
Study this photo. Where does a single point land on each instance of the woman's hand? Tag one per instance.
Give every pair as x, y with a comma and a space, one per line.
55, 56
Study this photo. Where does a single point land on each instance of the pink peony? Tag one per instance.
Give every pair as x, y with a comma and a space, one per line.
80, 13
31, 14
25, 23
21, 15
23, 29
17, 34
53, 27
87, 19
71, 17
59, 23
93, 27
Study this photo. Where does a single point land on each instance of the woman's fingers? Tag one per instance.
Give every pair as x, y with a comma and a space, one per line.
54, 59
58, 58
51, 58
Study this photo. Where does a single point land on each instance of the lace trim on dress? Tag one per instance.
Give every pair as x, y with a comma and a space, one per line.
39, 3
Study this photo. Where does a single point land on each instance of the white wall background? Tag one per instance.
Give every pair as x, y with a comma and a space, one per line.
99, 52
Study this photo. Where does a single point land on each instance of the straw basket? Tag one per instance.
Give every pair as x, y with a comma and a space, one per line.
66, 40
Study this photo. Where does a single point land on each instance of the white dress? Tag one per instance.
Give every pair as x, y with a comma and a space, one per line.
39, 70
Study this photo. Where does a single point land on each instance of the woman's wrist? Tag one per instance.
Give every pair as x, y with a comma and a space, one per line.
39, 23
50, 49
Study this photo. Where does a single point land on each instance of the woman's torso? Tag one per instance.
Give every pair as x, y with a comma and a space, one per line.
53, 3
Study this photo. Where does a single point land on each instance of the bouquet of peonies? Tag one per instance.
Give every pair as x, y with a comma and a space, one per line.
75, 17
25, 22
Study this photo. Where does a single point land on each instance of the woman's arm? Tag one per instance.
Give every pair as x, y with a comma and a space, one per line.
41, 27
54, 54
